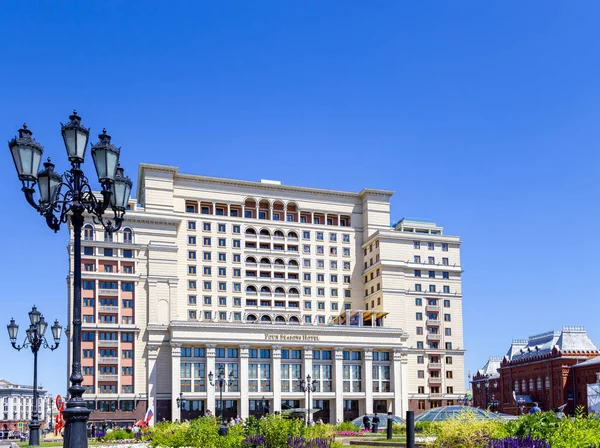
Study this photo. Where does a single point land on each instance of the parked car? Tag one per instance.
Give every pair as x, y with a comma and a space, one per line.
383, 418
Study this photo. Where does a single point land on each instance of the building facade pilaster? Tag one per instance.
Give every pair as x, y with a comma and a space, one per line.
175, 380
339, 385
276, 378
243, 382
152, 386
368, 378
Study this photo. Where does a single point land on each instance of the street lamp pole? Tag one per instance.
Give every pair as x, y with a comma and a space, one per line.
35, 340
220, 382
181, 405
70, 197
309, 385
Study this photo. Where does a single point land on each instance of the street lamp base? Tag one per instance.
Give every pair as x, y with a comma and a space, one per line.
223, 430
76, 418
34, 434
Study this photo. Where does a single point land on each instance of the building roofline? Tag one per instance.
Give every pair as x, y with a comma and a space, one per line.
253, 184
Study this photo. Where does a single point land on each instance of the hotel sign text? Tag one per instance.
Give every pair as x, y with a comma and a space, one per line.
291, 337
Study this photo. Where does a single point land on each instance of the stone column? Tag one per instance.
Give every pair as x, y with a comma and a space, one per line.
338, 379
243, 381
308, 362
276, 378
152, 385
175, 380
400, 381
368, 378
210, 367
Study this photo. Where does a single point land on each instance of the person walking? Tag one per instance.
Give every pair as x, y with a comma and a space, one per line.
367, 422
375, 424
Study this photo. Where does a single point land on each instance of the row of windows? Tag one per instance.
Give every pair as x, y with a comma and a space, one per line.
432, 288
433, 359
432, 302
109, 268
111, 389
435, 374
107, 336
108, 252
434, 345
88, 234
90, 301
431, 260
431, 246
419, 316
107, 319
447, 331
91, 285
432, 274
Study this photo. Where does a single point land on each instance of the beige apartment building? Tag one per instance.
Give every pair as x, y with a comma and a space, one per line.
269, 283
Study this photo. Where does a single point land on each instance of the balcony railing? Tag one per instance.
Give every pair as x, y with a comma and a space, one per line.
434, 322
435, 380
108, 377
435, 365
432, 308
436, 396
434, 337
108, 309
250, 265
292, 267
108, 292
104, 343
104, 360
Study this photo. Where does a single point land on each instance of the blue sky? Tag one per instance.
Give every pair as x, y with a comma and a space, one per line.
482, 116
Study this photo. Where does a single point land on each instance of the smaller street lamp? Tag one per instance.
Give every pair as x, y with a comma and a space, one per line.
220, 383
521, 404
309, 385
181, 405
35, 339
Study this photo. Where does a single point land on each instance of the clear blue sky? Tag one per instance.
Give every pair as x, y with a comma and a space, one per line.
482, 116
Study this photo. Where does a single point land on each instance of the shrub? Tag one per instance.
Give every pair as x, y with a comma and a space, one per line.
346, 426
539, 425
118, 434
398, 428
277, 429
517, 442
465, 431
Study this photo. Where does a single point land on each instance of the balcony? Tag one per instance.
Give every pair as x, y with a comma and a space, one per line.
292, 267
251, 265
108, 292
108, 309
250, 236
432, 308
436, 396
104, 343
108, 360
108, 377
434, 322
265, 237
435, 380
434, 336
434, 365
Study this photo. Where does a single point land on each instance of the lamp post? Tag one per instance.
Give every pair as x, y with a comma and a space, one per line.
487, 389
521, 404
494, 403
181, 405
70, 197
220, 383
309, 385
35, 340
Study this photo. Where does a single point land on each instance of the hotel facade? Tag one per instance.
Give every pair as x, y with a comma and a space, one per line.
271, 283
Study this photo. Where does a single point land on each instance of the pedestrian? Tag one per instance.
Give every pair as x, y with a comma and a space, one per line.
535, 409
93, 430
367, 422
375, 424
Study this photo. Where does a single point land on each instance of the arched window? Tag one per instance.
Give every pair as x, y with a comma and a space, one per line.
251, 290
539, 384
523, 386
548, 382
293, 263
293, 291
127, 236
278, 234
279, 262
251, 318
280, 319
293, 235
516, 387
265, 261
251, 260
265, 232
294, 320
265, 318
88, 233
279, 290
265, 290
250, 231
530, 384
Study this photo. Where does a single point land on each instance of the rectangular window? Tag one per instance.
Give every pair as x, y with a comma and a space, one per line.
430, 246
416, 244
417, 273
418, 287
419, 302
419, 316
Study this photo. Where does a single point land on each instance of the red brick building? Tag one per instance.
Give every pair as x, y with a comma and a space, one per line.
587, 374
486, 385
538, 369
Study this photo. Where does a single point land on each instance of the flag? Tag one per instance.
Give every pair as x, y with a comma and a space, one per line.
515, 396
149, 415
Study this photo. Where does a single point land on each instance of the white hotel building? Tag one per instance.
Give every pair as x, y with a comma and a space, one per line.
273, 283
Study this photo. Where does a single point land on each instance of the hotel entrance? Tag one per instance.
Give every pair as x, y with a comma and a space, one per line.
323, 412
350, 410
192, 409
258, 408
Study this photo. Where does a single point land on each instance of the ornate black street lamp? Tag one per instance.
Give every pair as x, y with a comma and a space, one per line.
181, 405
309, 385
220, 383
70, 197
494, 403
35, 340
521, 404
